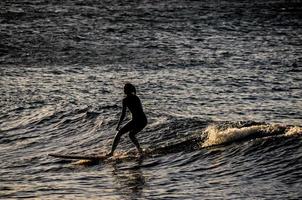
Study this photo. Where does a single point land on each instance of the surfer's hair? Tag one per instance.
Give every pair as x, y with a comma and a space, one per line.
129, 88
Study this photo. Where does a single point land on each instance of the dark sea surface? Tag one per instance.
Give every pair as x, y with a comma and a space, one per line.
220, 82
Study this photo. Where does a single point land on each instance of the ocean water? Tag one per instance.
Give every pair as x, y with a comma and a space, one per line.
220, 82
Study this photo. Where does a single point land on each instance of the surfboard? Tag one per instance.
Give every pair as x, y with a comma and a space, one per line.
119, 156
79, 157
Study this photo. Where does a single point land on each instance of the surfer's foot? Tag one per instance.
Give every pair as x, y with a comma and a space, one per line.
140, 151
109, 154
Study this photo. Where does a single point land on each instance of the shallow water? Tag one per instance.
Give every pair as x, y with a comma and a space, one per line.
220, 82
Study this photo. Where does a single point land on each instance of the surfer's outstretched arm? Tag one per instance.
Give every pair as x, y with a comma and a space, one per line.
122, 115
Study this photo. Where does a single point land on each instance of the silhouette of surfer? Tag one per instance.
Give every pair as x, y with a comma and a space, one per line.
138, 122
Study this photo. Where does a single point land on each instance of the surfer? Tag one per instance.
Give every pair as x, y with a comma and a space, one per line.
138, 122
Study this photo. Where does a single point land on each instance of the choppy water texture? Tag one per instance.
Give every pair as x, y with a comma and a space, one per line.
220, 82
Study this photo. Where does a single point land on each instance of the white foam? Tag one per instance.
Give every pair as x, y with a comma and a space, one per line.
296, 130
216, 136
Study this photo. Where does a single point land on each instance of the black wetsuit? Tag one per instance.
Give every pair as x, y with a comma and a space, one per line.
139, 119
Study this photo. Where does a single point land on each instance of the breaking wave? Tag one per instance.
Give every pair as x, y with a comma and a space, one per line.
217, 135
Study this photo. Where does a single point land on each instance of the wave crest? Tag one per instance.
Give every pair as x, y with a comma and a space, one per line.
217, 136
295, 130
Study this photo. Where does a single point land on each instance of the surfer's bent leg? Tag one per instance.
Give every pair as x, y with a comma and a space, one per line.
132, 134
134, 140
118, 135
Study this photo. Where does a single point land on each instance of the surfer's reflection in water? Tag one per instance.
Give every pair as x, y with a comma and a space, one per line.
138, 122
129, 182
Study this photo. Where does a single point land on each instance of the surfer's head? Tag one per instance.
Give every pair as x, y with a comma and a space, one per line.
129, 89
